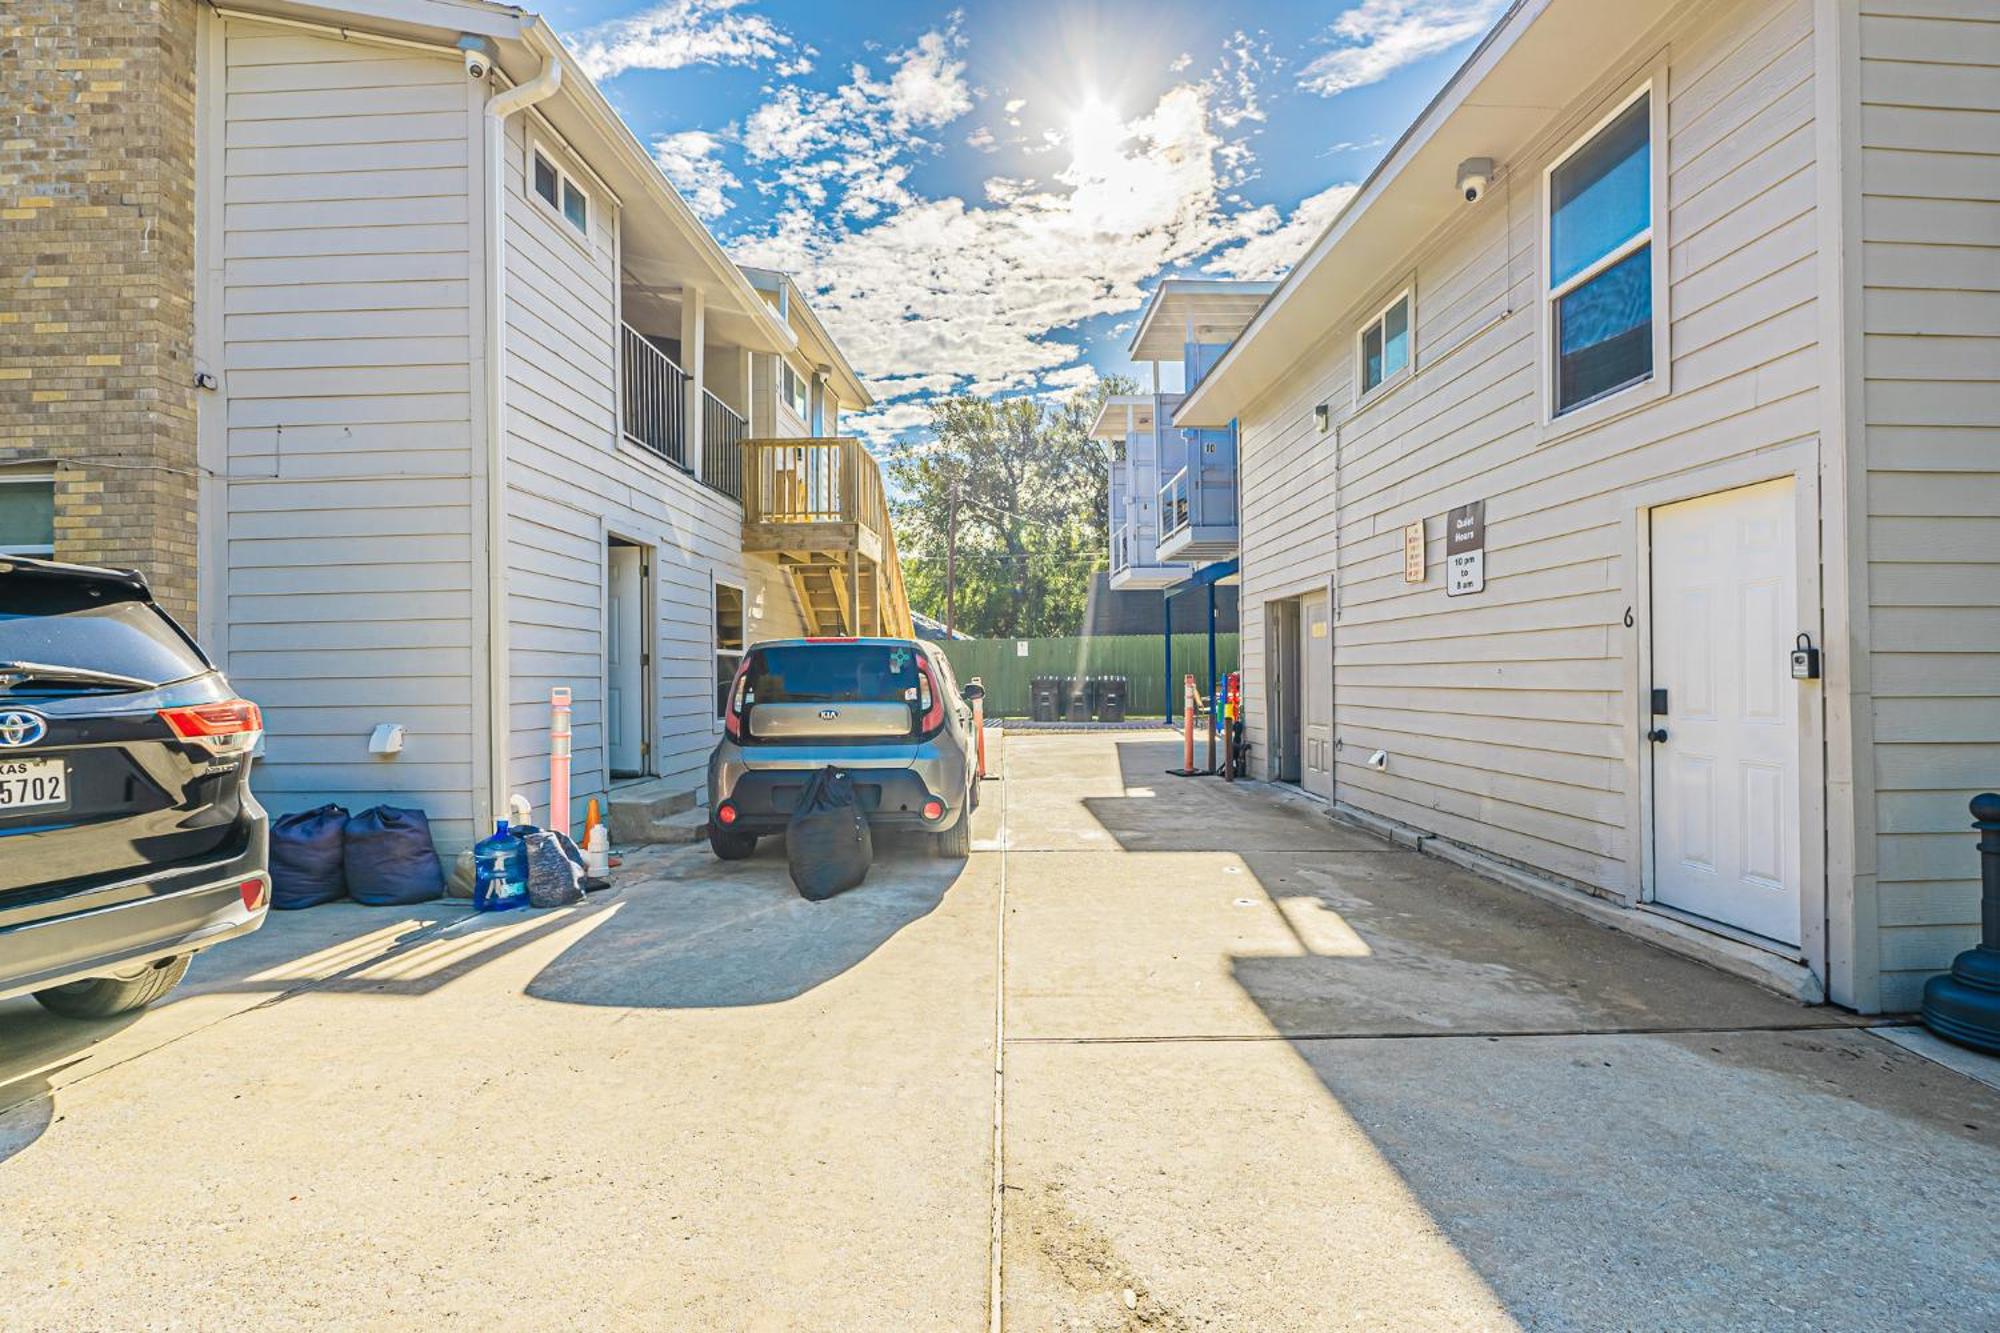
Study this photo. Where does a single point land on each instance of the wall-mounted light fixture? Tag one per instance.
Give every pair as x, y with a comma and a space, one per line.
1322, 417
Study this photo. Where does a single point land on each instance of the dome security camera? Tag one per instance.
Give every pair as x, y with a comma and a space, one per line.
475, 64
1473, 176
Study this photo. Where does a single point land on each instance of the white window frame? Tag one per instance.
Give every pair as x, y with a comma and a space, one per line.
801, 408
716, 650
1362, 390
1618, 402
48, 551
566, 181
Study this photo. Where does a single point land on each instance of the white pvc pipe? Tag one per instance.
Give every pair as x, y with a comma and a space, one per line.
498, 108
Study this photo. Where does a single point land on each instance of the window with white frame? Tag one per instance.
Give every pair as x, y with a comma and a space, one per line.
559, 190
27, 513
1385, 344
793, 386
728, 641
1600, 259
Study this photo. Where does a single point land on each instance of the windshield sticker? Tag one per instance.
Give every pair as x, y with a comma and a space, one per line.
898, 659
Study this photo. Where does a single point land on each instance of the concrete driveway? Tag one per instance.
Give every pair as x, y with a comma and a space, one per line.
1257, 1071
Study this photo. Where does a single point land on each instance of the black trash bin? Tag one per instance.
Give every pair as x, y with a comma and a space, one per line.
1110, 701
1045, 691
1077, 705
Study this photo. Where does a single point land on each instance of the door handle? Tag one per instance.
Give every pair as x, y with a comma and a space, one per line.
1658, 735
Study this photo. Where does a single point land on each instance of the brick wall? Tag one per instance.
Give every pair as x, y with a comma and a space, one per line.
97, 275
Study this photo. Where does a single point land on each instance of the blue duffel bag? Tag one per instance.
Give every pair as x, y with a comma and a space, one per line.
307, 858
391, 860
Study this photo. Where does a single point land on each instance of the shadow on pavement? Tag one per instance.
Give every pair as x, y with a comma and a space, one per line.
1604, 1129
705, 934
1164, 813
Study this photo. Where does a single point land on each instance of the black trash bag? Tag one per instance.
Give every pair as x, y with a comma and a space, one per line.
391, 861
306, 858
828, 841
555, 868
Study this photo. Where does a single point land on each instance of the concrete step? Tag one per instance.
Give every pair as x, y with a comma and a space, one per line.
633, 812
683, 827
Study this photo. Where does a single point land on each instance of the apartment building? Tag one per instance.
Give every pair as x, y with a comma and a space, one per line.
1637, 426
466, 405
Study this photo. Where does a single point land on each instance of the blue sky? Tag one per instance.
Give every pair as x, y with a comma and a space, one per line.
978, 197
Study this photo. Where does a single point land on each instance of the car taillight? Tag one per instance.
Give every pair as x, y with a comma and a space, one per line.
725, 814
933, 809
732, 707
252, 893
934, 710
229, 727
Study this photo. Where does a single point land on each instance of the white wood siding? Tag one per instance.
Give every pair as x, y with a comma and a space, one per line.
571, 483
1930, 231
1507, 715
343, 341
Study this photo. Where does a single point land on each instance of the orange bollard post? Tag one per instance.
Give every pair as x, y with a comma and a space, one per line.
979, 728
1187, 727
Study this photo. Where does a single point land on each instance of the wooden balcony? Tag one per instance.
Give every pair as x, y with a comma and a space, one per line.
817, 507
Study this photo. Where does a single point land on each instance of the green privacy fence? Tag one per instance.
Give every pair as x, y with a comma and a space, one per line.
1005, 671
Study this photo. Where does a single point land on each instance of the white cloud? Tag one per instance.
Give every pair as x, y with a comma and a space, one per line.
848, 147
689, 161
1270, 246
928, 87
1378, 37
679, 33
984, 292
989, 290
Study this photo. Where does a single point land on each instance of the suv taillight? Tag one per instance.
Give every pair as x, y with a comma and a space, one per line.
229, 727
732, 710
934, 711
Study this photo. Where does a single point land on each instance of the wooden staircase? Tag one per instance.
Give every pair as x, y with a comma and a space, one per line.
817, 507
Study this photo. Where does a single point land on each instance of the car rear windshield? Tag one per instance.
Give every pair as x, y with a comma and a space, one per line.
74, 624
832, 673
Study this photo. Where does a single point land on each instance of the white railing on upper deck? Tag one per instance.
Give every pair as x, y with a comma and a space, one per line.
1174, 505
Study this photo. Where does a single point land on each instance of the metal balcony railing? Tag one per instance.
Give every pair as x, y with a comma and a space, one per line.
1174, 505
722, 433
655, 406
1121, 550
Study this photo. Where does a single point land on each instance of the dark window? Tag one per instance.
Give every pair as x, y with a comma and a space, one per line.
58, 622
546, 180
1602, 194
728, 641
1604, 332
1600, 260
833, 673
27, 516
1385, 344
576, 207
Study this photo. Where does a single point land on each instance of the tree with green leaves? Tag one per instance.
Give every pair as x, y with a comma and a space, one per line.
1000, 514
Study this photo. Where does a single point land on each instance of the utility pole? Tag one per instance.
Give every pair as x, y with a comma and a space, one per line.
951, 564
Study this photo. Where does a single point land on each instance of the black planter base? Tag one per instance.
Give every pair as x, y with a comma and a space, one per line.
1963, 1005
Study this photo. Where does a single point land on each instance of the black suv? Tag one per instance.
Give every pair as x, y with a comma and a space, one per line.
128, 836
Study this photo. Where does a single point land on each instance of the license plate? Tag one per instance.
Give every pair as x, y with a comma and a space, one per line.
26, 783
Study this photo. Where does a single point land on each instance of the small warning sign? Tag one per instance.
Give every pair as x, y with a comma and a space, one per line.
1413, 552
1465, 550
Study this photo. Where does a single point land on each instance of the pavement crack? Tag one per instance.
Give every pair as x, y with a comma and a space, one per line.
1427, 1034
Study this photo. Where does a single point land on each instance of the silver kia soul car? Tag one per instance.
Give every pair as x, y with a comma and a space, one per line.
888, 711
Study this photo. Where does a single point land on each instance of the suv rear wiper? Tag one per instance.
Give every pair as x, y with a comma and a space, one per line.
19, 673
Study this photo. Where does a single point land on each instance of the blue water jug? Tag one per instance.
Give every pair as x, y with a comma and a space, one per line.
500, 871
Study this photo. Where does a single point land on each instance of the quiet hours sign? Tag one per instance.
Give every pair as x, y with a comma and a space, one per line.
1465, 550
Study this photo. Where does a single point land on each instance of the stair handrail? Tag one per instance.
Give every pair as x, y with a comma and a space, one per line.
828, 479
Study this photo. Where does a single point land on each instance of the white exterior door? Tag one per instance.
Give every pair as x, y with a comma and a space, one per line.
1726, 773
1316, 705
625, 654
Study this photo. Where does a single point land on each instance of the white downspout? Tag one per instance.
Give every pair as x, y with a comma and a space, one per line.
498, 678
